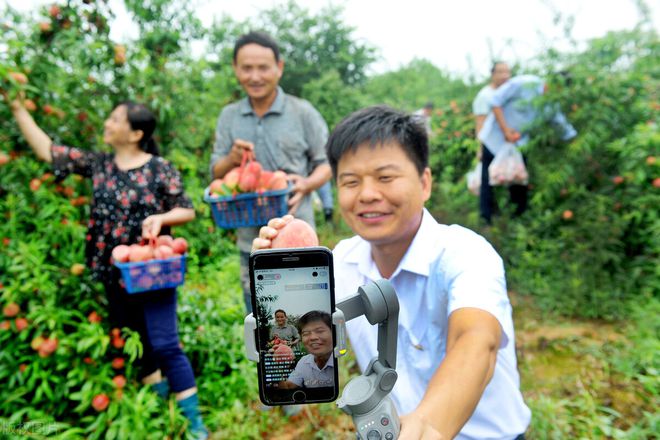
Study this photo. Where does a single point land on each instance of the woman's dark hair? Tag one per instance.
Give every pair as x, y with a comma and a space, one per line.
141, 118
375, 126
314, 315
260, 38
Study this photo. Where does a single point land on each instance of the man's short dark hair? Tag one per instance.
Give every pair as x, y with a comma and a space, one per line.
260, 38
278, 311
429, 105
494, 66
314, 315
378, 125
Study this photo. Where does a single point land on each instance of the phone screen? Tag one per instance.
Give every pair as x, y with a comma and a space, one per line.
293, 299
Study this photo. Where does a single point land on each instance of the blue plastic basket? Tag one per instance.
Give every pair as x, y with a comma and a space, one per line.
143, 276
247, 209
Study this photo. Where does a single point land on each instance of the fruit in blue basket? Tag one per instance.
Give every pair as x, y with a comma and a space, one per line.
163, 252
218, 187
296, 233
164, 240
231, 178
264, 181
140, 253
121, 253
250, 177
180, 245
278, 181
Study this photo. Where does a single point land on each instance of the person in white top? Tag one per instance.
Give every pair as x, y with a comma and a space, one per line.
456, 360
481, 108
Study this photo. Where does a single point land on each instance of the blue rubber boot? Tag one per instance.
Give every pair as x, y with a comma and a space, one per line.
190, 408
162, 389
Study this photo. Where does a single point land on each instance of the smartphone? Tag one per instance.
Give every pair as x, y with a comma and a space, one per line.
293, 301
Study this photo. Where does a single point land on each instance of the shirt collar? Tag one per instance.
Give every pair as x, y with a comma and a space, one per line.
416, 259
277, 106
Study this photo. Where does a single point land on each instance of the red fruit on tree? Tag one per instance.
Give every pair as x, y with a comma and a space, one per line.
5, 325
4, 158
567, 215
94, 317
650, 160
77, 269
54, 11
100, 402
21, 324
296, 233
19, 77
48, 109
35, 184
45, 27
48, 347
618, 180
29, 105
119, 380
36, 343
11, 309
656, 182
118, 342
118, 363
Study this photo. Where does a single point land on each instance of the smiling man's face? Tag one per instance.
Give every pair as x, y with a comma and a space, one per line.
381, 193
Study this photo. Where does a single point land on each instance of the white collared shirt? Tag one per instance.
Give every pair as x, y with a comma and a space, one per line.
444, 269
309, 375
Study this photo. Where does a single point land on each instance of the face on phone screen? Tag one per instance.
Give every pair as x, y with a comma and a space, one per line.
294, 304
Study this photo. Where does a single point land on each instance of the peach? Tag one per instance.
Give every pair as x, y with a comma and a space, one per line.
180, 245
264, 180
163, 252
164, 240
296, 233
278, 181
250, 177
10, 310
218, 187
231, 178
121, 253
283, 353
140, 253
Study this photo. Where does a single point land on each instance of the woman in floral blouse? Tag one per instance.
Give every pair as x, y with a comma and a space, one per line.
136, 195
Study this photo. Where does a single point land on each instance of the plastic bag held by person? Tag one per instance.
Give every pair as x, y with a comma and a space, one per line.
508, 167
473, 179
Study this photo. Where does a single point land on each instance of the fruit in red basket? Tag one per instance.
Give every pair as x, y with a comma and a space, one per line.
100, 402
163, 252
121, 253
21, 324
164, 240
180, 245
94, 317
296, 233
278, 181
77, 269
48, 347
10, 310
283, 353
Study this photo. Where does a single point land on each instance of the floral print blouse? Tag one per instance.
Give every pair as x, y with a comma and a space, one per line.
121, 199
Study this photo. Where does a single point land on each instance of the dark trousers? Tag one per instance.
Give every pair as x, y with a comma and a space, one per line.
153, 315
487, 203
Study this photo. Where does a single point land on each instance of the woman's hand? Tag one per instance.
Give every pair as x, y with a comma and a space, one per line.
268, 232
151, 226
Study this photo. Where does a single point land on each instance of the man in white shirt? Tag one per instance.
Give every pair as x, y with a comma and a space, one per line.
456, 358
481, 108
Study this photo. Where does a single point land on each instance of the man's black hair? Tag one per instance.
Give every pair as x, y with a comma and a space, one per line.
314, 315
376, 126
494, 66
260, 38
279, 310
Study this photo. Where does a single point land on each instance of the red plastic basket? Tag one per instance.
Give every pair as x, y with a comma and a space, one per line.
247, 209
143, 276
